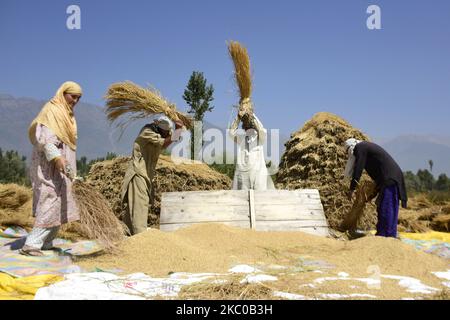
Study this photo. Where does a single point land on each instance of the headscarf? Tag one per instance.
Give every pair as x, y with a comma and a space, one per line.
163, 122
57, 115
350, 144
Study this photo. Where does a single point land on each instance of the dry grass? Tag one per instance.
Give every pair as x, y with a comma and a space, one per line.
15, 206
127, 98
243, 77
97, 220
230, 289
242, 72
13, 196
365, 192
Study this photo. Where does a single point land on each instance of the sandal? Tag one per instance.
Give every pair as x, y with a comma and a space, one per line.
30, 251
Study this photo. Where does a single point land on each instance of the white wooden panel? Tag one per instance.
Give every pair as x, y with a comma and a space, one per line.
176, 226
221, 197
201, 212
277, 210
288, 212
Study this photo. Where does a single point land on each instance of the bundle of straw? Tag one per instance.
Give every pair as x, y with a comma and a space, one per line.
365, 192
138, 102
97, 220
242, 72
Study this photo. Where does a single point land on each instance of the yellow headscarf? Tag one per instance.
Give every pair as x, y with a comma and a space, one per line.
57, 115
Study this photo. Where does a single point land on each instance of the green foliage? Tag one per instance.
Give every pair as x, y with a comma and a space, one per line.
198, 96
442, 183
227, 169
424, 181
83, 166
13, 168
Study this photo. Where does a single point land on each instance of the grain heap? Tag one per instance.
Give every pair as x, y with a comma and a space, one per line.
315, 158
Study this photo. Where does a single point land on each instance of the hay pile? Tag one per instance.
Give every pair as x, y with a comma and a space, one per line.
107, 177
217, 248
315, 158
422, 216
15, 206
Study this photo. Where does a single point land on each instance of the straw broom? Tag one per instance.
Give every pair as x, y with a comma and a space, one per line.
127, 98
242, 73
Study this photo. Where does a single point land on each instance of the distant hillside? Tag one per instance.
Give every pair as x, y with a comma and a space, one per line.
412, 152
96, 137
94, 141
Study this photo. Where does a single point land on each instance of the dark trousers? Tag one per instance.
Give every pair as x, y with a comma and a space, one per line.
388, 206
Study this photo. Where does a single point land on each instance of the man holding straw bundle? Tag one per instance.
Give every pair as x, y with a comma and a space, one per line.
137, 185
251, 171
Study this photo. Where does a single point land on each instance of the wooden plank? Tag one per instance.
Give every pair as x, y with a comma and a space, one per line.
288, 213
291, 224
263, 197
220, 197
316, 231
176, 226
251, 201
276, 210
203, 212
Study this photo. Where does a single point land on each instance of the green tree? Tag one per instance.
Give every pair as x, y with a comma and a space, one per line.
13, 168
442, 183
431, 163
426, 180
412, 182
198, 95
83, 166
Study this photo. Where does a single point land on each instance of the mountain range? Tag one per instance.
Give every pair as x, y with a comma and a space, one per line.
96, 137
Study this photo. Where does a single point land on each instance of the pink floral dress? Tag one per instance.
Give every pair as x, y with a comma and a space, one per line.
53, 202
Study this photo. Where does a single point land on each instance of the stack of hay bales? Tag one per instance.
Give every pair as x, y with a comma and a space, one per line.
107, 177
315, 158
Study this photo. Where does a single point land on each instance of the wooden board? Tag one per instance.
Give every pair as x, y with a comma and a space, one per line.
271, 210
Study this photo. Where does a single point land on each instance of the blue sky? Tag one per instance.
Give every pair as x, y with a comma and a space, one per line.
308, 56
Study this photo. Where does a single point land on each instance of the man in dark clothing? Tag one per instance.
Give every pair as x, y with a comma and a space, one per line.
388, 176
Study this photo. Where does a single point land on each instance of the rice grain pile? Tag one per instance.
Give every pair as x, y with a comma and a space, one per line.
217, 248
315, 158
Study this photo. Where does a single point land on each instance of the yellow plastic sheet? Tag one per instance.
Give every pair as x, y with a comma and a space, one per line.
24, 288
432, 235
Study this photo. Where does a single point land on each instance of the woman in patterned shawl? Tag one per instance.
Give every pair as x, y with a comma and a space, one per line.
53, 134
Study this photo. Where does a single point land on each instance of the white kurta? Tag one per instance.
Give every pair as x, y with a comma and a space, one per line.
251, 171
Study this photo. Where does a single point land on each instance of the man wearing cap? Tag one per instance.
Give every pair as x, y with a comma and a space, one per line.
388, 176
137, 185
